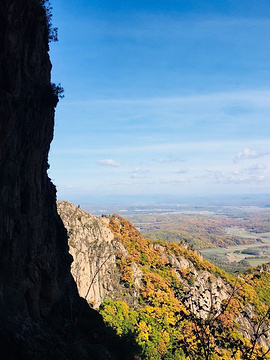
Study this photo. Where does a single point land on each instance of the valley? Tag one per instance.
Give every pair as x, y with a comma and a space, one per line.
232, 237
233, 232
253, 254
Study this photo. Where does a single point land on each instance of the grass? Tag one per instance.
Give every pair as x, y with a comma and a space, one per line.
258, 261
253, 261
241, 233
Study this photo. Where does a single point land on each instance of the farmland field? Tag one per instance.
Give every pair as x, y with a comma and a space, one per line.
234, 238
237, 253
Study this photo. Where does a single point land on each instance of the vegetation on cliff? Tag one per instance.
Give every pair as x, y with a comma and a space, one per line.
169, 322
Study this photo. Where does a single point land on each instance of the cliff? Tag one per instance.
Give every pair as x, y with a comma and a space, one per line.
96, 252
34, 258
40, 309
103, 266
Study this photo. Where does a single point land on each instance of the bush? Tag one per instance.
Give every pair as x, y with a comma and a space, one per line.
52, 31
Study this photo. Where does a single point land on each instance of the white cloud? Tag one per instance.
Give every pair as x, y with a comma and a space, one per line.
256, 168
109, 162
252, 174
248, 154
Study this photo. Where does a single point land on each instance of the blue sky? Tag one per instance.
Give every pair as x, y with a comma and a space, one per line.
161, 97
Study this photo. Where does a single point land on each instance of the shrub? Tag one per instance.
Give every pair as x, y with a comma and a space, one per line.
52, 31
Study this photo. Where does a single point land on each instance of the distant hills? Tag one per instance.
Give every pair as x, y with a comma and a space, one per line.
98, 204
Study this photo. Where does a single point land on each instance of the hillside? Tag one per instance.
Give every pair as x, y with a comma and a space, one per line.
233, 238
175, 304
203, 230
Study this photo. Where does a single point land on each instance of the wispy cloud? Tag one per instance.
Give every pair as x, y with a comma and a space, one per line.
249, 154
109, 162
252, 174
256, 167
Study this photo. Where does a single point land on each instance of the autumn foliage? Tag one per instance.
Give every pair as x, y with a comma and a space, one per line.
166, 325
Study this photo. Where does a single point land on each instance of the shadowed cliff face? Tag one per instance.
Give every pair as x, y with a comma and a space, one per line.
34, 259
39, 301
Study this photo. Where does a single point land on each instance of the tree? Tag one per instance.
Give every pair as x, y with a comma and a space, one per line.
214, 335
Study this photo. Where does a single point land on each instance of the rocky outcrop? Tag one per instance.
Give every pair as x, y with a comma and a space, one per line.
204, 293
95, 252
97, 270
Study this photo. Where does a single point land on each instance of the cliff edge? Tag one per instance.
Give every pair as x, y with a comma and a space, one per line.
41, 313
34, 259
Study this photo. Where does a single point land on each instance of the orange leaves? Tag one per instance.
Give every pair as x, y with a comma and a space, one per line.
114, 224
162, 348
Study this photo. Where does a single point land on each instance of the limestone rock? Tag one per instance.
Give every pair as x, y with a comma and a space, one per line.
95, 249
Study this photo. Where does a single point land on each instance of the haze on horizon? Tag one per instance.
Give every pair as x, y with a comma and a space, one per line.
165, 97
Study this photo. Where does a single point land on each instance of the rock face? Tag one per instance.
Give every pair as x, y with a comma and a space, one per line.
34, 258
204, 292
39, 300
95, 251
